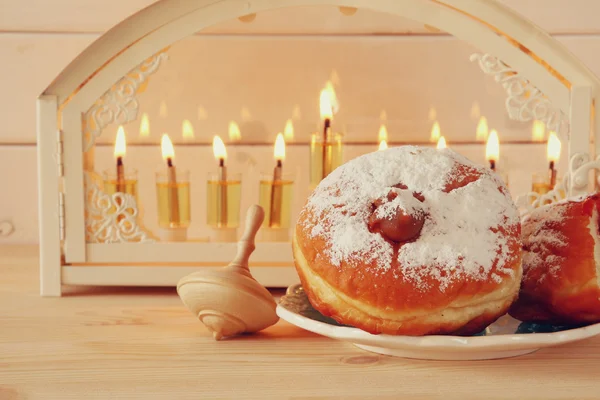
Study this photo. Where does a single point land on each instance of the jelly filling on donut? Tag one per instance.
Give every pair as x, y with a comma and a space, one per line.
398, 227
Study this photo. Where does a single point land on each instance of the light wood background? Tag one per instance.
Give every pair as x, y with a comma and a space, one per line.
260, 74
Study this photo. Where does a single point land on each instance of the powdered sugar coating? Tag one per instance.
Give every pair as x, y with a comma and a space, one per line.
542, 241
404, 201
459, 238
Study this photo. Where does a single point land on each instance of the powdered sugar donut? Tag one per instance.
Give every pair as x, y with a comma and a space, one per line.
561, 263
410, 241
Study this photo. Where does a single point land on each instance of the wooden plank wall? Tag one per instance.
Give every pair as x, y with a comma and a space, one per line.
260, 74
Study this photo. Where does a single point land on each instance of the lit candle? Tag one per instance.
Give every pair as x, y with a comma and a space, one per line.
220, 154
235, 135
168, 154
332, 97
288, 131
276, 191
326, 147
119, 180
492, 149
383, 134
119, 153
441, 144
326, 115
538, 131
482, 129
436, 132
383, 137
144, 126
187, 130
553, 153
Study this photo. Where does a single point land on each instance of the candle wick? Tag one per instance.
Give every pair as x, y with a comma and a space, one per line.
493, 165
173, 193
276, 197
552, 174
325, 157
120, 175
221, 162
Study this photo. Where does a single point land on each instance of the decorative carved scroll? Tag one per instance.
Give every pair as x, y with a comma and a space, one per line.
525, 102
119, 104
111, 218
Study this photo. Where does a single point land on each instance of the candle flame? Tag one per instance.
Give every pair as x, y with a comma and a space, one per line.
436, 132
145, 126
325, 105
235, 135
492, 148
120, 142
554, 146
166, 147
383, 145
335, 105
288, 131
279, 150
482, 129
383, 134
219, 148
187, 130
441, 144
538, 131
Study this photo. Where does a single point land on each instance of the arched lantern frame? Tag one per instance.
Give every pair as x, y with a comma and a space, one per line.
542, 79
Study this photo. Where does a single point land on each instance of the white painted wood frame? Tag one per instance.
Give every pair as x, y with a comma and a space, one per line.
486, 24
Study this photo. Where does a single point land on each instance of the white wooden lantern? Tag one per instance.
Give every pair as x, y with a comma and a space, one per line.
82, 243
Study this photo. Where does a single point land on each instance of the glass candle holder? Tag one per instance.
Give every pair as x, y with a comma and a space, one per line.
223, 198
275, 197
173, 199
324, 156
128, 185
540, 183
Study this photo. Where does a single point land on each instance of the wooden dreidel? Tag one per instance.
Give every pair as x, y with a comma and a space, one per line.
229, 300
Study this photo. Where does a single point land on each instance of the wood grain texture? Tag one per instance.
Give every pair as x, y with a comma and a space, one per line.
100, 343
555, 16
259, 82
30, 63
19, 198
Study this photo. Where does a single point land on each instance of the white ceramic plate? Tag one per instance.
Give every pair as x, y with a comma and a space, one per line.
507, 337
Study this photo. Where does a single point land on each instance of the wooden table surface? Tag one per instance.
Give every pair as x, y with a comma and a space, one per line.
121, 343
